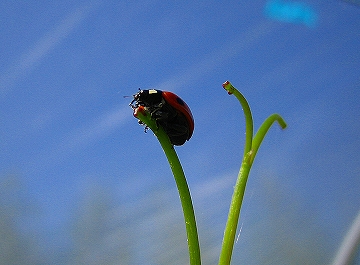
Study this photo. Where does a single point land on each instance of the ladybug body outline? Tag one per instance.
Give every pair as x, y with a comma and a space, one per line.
169, 111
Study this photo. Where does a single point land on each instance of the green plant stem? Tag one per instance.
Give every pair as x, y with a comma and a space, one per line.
234, 213
260, 134
184, 192
251, 147
249, 124
239, 190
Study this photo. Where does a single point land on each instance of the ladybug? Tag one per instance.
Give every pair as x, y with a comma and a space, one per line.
169, 111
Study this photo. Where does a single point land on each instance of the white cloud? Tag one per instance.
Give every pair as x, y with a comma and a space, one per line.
232, 48
100, 127
43, 46
80, 137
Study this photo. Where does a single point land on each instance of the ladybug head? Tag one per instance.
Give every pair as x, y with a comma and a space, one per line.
147, 97
141, 95
137, 99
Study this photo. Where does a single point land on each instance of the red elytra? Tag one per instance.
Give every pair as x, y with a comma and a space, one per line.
175, 101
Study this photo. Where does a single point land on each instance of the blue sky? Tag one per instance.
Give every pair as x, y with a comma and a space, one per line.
68, 136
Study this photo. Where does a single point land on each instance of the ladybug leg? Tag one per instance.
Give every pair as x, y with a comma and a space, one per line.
161, 112
132, 105
146, 128
160, 115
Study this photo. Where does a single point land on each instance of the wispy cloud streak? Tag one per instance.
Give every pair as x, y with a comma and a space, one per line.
43, 46
80, 137
99, 128
232, 48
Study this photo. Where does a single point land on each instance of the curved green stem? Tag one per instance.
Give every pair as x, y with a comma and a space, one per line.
239, 190
260, 134
184, 193
251, 147
249, 125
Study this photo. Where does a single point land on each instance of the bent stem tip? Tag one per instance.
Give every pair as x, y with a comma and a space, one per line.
249, 124
263, 129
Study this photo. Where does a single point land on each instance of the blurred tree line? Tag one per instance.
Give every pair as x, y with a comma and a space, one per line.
275, 227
